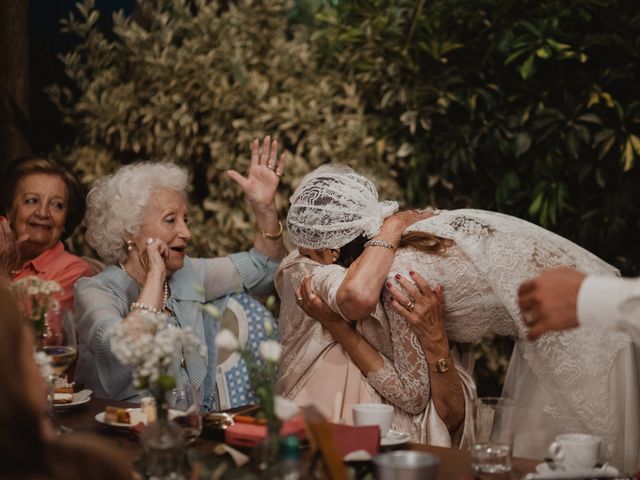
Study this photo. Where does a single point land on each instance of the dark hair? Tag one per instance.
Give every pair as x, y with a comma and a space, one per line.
25, 166
422, 241
21, 444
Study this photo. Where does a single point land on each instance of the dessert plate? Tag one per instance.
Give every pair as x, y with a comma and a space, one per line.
79, 398
137, 416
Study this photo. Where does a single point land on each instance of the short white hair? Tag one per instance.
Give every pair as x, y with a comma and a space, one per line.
117, 202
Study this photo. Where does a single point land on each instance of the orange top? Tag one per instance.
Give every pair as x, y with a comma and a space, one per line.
59, 265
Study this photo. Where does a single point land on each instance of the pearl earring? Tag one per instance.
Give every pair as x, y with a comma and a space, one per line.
129, 245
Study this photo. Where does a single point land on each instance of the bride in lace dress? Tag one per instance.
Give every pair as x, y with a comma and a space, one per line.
584, 380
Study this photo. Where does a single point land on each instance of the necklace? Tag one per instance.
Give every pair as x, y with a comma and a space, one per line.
165, 293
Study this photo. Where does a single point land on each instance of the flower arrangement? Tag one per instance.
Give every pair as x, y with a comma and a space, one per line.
36, 298
149, 346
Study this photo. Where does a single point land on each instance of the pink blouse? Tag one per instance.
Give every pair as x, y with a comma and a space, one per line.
59, 265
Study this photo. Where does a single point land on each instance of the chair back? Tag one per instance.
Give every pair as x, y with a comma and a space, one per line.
245, 317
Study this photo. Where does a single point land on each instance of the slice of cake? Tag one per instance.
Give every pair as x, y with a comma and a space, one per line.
62, 398
117, 415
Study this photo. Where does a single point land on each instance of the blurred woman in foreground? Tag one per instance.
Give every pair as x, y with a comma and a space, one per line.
28, 448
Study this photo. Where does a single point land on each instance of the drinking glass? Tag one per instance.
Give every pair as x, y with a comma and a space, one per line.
60, 345
185, 408
493, 430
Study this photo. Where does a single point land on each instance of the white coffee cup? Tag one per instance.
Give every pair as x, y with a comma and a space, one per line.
373, 414
575, 451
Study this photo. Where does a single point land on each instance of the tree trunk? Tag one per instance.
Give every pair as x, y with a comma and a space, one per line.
14, 79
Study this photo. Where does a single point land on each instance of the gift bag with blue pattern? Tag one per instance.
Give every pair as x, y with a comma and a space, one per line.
232, 376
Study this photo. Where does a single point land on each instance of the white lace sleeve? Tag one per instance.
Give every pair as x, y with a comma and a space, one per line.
405, 382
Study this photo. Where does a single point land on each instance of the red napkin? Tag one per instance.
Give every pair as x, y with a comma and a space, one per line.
349, 439
247, 434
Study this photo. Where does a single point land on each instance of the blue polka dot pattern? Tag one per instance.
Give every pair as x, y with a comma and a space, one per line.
237, 378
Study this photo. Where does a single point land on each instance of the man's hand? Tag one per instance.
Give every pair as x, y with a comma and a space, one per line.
549, 301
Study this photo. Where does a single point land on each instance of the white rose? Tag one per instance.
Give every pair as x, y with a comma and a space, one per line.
226, 340
270, 350
285, 408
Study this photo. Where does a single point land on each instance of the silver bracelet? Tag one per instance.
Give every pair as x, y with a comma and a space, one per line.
379, 243
144, 306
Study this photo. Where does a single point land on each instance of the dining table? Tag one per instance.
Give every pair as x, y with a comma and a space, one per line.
455, 464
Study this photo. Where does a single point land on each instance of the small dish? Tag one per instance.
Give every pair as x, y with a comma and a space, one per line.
546, 468
137, 416
79, 398
394, 438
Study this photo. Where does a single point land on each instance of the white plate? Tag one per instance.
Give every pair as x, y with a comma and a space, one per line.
394, 438
137, 416
79, 398
544, 470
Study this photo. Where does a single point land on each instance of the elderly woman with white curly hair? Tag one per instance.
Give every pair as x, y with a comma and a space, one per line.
137, 221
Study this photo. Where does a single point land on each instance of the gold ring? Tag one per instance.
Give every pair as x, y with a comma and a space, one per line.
411, 305
150, 240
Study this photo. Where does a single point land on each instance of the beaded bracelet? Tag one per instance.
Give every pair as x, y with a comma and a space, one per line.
270, 236
144, 306
379, 243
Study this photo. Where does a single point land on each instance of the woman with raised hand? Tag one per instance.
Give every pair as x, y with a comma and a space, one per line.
42, 203
137, 220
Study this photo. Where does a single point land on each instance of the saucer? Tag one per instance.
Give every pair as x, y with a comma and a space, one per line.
604, 471
79, 398
394, 438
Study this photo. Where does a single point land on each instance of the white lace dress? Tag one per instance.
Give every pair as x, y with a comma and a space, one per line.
585, 380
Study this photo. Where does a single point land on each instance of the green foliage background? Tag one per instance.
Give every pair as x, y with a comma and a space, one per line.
530, 107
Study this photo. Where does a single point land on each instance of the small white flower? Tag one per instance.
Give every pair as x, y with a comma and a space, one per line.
226, 340
44, 363
285, 408
270, 350
33, 291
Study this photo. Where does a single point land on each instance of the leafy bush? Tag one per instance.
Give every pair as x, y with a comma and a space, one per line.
194, 84
526, 107
530, 107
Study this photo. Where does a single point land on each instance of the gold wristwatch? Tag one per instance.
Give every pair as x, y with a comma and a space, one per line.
442, 365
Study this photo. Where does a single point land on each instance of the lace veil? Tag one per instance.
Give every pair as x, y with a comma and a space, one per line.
332, 206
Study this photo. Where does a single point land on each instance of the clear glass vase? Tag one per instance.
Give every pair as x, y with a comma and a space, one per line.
266, 453
163, 447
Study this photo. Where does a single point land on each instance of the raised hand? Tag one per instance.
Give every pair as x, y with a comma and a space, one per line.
264, 174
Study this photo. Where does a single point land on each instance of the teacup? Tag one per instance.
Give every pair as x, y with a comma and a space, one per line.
575, 451
373, 414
